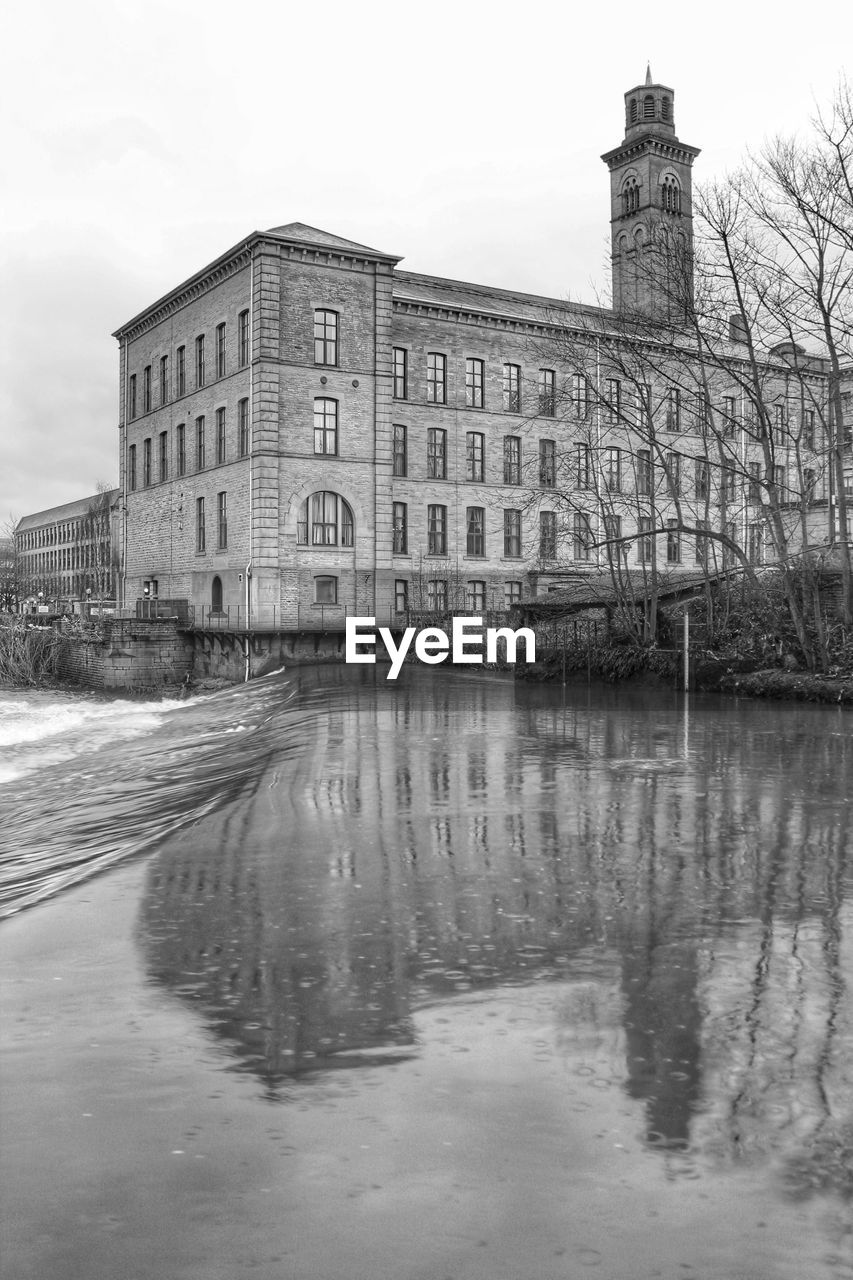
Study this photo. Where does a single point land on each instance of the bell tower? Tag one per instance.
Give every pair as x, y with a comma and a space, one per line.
651, 206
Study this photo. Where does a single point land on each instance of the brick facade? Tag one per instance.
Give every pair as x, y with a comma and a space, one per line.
311, 518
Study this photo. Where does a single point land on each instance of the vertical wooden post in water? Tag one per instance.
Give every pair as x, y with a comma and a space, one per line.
686, 650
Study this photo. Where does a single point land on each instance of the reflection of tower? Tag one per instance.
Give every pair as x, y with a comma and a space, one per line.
662, 1031
651, 213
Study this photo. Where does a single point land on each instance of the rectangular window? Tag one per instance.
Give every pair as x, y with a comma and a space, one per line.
164, 379
220, 351
644, 472
476, 524
673, 409
220, 436
645, 541
779, 482
199, 525
613, 534
729, 416
728, 484
512, 459
181, 449
475, 455
809, 483
401, 595
646, 416
580, 395
199, 444
436, 378
400, 366
512, 388
703, 412
131, 468
731, 542
400, 528
778, 417
755, 485
547, 393
613, 401
613, 470
436, 453
547, 464
703, 479
325, 589
547, 535
437, 594
325, 337
476, 596
436, 530
243, 339
672, 463
702, 542
475, 382
400, 460
164, 456
755, 545
808, 428
512, 533
582, 466
673, 542
146, 461
583, 536
325, 426
512, 593
181, 355
146, 389
199, 360
243, 426
131, 396
222, 521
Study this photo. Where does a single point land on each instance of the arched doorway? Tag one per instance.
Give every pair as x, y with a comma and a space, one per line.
216, 595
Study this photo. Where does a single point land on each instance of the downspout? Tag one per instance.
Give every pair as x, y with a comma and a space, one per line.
251, 432
125, 513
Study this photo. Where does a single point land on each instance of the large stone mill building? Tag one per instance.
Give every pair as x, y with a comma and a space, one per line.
308, 431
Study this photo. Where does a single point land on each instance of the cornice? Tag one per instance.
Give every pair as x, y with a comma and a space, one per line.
671, 148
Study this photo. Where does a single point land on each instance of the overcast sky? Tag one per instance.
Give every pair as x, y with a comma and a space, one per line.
141, 140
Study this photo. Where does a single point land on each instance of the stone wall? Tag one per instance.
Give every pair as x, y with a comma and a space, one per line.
127, 654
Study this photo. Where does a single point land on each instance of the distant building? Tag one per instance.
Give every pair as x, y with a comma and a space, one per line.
307, 430
69, 553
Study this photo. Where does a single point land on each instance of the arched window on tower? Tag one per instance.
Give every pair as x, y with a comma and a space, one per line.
634, 110
670, 196
665, 111
630, 197
649, 107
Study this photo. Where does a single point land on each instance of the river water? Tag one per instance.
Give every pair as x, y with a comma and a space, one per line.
447, 977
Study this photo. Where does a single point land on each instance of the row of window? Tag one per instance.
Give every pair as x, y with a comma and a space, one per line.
140, 392
141, 395
197, 443
618, 403
612, 471
326, 592
475, 383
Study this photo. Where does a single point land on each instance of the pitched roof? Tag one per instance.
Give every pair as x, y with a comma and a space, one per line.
67, 511
304, 234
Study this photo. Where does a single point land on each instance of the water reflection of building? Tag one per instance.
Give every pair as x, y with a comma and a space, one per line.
449, 835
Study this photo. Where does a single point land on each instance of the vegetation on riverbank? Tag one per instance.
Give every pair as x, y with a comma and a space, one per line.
28, 655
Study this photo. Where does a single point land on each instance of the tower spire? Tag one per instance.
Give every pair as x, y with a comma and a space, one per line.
648, 74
